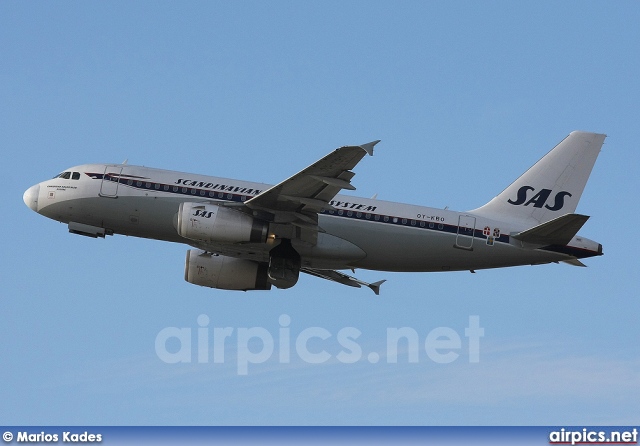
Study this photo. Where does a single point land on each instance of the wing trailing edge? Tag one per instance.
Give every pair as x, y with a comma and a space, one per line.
297, 200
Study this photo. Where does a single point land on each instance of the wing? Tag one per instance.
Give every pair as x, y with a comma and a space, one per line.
337, 276
297, 200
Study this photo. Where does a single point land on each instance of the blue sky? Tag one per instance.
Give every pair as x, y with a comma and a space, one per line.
465, 96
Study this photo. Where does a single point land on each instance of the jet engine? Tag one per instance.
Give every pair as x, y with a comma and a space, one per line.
226, 273
213, 223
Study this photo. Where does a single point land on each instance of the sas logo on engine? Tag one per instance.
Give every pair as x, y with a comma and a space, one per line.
539, 199
201, 213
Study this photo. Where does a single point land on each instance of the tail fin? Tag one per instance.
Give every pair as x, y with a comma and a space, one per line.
553, 186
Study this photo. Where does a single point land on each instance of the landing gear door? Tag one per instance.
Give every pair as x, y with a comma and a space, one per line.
110, 181
466, 228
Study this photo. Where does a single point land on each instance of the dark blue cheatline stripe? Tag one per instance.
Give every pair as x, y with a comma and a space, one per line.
194, 192
172, 188
438, 226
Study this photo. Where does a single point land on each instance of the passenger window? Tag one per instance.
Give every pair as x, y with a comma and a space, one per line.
75, 176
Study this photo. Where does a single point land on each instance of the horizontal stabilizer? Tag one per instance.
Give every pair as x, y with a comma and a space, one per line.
558, 231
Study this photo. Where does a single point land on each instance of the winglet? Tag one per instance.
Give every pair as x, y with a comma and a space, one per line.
369, 147
574, 262
375, 287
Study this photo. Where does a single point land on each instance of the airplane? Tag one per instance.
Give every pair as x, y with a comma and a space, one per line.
252, 236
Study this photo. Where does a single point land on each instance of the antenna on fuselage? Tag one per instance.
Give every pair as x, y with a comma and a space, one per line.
124, 163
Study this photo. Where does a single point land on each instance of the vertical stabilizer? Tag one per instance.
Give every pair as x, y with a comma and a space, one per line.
553, 186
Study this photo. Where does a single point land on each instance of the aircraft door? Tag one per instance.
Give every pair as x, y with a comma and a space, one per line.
466, 228
110, 181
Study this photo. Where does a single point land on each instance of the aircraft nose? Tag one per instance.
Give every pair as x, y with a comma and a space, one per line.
30, 197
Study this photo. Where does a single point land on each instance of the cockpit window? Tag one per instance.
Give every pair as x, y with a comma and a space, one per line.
68, 175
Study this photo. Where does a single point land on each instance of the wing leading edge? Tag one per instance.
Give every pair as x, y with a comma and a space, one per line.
297, 200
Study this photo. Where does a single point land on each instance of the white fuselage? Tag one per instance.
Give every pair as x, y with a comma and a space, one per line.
358, 232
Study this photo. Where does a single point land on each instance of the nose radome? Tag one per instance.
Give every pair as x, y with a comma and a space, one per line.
30, 197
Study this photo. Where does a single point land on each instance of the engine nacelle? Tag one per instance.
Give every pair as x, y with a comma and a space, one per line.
226, 273
213, 223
